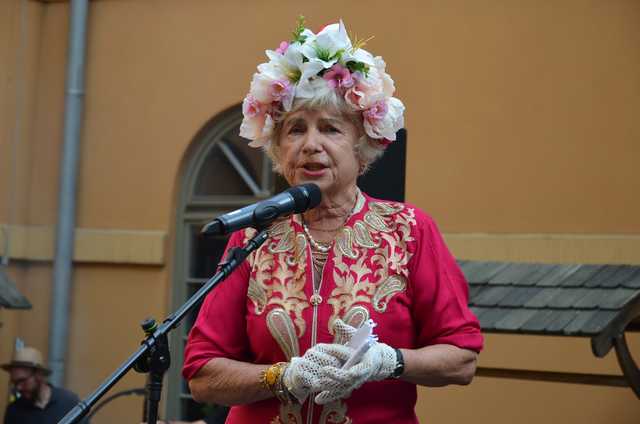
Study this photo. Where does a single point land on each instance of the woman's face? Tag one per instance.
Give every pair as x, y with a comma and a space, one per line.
318, 147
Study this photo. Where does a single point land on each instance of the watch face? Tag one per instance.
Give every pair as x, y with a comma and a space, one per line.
397, 372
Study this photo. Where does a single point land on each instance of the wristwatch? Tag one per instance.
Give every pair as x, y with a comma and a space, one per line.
399, 369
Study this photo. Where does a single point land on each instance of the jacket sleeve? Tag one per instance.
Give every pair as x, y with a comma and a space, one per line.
440, 292
220, 328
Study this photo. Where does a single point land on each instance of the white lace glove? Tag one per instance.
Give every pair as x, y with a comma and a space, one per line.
378, 363
304, 374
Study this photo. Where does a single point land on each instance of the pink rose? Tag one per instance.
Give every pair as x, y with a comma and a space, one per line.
389, 124
365, 91
252, 108
354, 97
377, 112
280, 90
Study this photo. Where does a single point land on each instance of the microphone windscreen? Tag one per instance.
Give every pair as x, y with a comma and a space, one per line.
305, 196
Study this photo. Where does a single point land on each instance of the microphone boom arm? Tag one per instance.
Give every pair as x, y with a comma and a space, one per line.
156, 342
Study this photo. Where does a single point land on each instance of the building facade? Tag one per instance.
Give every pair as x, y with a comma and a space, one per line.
523, 145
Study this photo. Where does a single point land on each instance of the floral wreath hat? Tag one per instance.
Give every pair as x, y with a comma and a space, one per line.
308, 66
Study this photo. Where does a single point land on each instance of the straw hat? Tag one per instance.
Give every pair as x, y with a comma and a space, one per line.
27, 357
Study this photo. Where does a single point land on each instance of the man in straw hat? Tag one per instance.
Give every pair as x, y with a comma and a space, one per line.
38, 402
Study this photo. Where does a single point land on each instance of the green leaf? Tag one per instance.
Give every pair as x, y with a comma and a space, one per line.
354, 66
297, 33
323, 54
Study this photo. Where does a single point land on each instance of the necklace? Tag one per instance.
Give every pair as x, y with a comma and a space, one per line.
320, 253
325, 247
320, 247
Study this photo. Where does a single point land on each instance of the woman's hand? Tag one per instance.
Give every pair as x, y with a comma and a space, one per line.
378, 363
305, 374
434, 366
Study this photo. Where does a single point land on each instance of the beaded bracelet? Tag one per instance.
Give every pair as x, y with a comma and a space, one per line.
271, 378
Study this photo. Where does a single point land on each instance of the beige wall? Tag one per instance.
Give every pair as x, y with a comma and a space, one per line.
19, 70
511, 401
521, 118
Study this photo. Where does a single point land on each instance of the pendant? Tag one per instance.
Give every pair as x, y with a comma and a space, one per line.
316, 299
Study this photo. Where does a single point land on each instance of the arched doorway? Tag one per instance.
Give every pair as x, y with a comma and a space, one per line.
220, 173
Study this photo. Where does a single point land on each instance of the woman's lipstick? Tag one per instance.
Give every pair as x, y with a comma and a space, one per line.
314, 170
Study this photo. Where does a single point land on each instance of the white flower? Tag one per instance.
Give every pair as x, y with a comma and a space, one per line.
259, 129
288, 65
360, 55
251, 128
305, 89
390, 124
314, 87
388, 87
260, 87
293, 71
328, 44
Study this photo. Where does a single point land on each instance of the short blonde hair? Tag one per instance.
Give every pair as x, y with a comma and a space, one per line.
367, 149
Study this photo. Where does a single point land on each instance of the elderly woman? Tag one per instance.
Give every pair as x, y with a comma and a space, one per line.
272, 340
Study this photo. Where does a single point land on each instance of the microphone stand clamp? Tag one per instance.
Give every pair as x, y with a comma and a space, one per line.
155, 361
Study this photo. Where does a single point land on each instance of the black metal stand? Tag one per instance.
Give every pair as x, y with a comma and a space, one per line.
156, 361
153, 354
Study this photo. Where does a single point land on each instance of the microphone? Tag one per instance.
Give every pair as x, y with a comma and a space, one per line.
293, 200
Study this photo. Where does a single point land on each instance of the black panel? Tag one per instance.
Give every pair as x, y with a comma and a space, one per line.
206, 253
386, 178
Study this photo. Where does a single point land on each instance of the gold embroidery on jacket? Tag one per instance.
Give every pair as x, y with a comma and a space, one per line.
344, 243
281, 328
372, 278
363, 237
290, 413
335, 412
278, 275
281, 235
258, 294
385, 291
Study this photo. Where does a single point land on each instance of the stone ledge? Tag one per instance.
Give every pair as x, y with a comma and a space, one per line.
546, 248
36, 243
